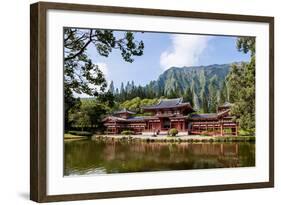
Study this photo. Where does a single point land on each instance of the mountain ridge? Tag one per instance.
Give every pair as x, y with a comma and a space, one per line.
194, 77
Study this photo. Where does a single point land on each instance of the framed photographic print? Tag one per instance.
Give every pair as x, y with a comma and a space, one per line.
135, 102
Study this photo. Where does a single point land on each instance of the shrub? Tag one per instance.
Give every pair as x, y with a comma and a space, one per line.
80, 133
173, 132
127, 132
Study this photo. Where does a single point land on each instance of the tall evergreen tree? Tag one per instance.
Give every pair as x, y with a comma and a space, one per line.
241, 81
122, 90
188, 96
223, 94
117, 91
128, 87
111, 87
213, 98
235, 81
204, 99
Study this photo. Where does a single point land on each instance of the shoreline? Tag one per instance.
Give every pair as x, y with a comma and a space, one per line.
162, 138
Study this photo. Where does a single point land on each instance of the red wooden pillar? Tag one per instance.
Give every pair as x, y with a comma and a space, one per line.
236, 130
221, 129
181, 125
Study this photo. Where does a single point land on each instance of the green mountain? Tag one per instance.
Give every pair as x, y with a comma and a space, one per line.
203, 86
196, 77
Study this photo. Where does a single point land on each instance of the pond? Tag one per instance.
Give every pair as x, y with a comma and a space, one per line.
83, 157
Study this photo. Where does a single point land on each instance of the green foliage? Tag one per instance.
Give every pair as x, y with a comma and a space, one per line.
247, 44
111, 87
204, 102
136, 103
241, 82
89, 115
127, 132
213, 89
81, 75
69, 103
223, 94
79, 119
107, 98
173, 132
188, 96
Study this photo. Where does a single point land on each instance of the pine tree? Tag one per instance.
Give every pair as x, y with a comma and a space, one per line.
235, 80
223, 94
241, 82
122, 88
188, 96
204, 101
128, 87
117, 91
111, 87
213, 98
122, 92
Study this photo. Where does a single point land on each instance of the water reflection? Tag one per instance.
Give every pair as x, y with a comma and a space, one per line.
96, 157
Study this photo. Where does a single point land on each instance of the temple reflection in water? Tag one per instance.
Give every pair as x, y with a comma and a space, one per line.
94, 157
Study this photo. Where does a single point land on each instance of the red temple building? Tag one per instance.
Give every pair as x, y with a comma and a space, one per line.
173, 113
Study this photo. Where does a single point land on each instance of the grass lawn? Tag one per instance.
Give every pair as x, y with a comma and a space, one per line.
73, 137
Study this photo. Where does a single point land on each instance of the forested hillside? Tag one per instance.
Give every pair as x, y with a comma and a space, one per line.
203, 86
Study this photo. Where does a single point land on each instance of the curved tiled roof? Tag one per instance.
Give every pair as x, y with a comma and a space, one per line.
167, 103
124, 111
130, 119
113, 118
203, 116
209, 116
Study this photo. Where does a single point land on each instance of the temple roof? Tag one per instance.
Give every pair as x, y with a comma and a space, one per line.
168, 103
130, 119
136, 118
124, 111
113, 118
210, 116
203, 116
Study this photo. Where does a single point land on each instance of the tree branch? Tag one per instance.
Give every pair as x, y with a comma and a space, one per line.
74, 42
70, 34
82, 49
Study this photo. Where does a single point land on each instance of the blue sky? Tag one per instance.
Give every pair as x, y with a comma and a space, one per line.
164, 50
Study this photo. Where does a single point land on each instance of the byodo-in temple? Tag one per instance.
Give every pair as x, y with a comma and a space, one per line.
173, 113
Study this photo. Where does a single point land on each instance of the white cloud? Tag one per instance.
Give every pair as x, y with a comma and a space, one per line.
185, 50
